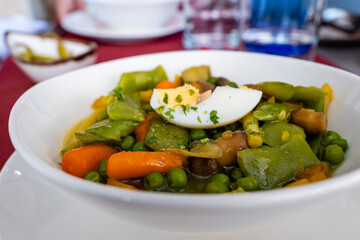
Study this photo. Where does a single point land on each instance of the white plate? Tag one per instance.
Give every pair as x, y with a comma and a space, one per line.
40, 145
33, 208
80, 23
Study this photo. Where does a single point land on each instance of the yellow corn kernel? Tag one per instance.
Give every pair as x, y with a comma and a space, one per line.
285, 136
251, 125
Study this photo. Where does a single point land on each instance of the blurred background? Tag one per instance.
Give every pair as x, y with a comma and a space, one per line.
341, 47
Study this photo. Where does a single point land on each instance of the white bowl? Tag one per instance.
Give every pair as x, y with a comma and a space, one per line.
42, 116
83, 53
132, 14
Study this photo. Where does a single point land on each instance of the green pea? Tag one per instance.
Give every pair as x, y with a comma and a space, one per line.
176, 179
213, 80
127, 143
216, 187
231, 84
154, 181
236, 173
101, 169
330, 135
93, 176
248, 183
140, 146
341, 142
196, 134
220, 177
334, 154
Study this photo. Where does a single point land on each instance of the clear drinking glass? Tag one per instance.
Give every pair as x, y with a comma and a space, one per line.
212, 24
283, 27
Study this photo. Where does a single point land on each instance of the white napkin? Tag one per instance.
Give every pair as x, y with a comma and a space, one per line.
19, 23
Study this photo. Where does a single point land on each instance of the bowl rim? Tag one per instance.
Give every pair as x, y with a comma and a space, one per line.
259, 199
93, 46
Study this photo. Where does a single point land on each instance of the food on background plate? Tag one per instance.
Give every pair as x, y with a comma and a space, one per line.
29, 55
204, 134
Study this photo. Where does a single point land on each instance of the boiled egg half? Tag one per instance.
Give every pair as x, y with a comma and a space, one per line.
184, 106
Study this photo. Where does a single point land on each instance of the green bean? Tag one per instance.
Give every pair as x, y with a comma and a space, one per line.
93, 176
127, 143
216, 187
220, 177
140, 146
334, 154
154, 181
248, 183
271, 111
197, 134
176, 179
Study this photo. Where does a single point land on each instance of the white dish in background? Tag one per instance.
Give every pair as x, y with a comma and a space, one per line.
40, 146
80, 23
33, 208
122, 13
81, 53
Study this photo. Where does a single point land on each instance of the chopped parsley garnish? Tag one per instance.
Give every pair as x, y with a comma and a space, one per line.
192, 92
168, 113
160, 109
204, 140
186, 108
213, 117
250, 131
151, 140
182, 147
194, 108
178, 98
118, 94
199, 120
166, 99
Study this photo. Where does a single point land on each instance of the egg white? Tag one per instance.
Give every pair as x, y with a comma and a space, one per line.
230, 104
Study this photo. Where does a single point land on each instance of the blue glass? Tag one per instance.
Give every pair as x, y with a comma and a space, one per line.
282, 27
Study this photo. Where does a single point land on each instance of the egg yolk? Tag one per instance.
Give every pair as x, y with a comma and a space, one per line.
175, 97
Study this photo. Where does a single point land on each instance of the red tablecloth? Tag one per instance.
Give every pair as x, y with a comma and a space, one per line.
13, 82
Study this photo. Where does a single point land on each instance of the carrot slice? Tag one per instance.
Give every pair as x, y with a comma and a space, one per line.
142, 128
298, 183
317, 177
80, 161
165, 84
124, 165
309, 172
